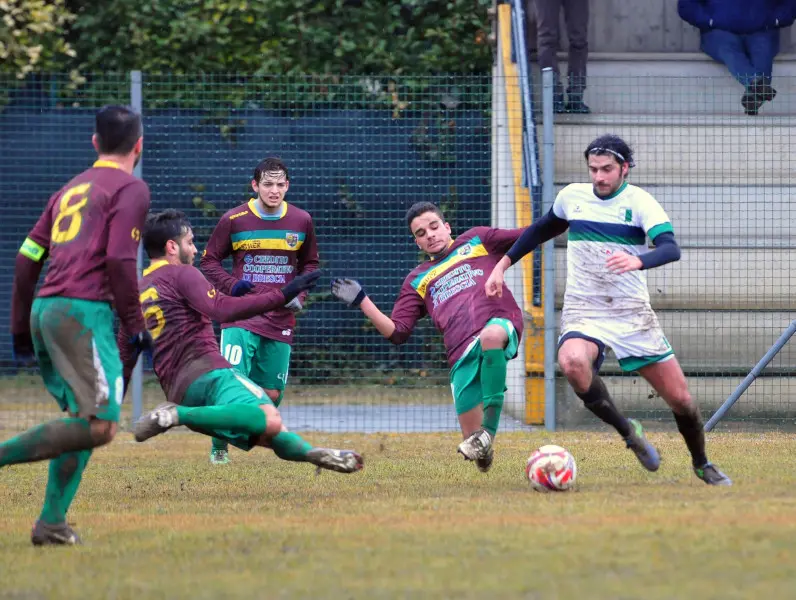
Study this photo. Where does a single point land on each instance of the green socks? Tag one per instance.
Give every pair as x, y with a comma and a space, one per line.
240, 418
290, 446
47, 440
219, 445
493, 386
62, 483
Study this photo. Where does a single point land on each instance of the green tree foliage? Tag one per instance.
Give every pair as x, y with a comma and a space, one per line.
32, 37
281, 37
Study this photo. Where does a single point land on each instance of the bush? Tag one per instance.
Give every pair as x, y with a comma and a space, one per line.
283, 36
32, 36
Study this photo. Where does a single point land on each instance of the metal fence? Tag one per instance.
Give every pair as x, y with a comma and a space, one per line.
723, 177
362, 149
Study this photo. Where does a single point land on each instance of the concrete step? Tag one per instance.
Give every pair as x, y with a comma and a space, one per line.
673, 85
672, 150
711, 279
722, 216
721, 342
767, 397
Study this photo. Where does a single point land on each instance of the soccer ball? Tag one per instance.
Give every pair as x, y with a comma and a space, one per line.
551, 469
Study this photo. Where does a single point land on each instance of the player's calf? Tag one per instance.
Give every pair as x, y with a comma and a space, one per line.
50, 440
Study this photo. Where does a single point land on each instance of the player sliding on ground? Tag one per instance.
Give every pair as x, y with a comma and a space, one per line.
607, 302
90, 231
204, 393
480, 334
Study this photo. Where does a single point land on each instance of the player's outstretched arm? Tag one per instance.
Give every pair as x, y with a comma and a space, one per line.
204, 298
546, 228
398, 327
219, 247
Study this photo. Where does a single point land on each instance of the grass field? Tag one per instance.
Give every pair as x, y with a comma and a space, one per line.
160, 522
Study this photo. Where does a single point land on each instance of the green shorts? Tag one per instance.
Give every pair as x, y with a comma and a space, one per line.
466, 373
78, 357
266, 362
222, 387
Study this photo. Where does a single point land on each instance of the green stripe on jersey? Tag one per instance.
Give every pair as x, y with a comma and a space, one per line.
593, 236
659, 229
266, 234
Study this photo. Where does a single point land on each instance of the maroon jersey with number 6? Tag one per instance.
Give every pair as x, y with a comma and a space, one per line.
179, 304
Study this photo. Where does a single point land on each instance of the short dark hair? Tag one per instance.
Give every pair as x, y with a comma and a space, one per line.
271, 163
611, 145
160, 228
117, 129
419, 208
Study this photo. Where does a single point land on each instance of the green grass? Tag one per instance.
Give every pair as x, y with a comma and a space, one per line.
160, 522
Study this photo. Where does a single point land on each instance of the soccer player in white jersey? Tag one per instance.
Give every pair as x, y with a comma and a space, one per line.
607, 303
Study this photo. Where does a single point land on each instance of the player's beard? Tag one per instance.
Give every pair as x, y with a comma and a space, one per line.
185, 257
611, 190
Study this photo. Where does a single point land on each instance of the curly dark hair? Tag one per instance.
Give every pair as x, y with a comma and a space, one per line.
611, 145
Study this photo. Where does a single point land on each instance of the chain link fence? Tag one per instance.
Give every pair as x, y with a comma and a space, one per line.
724, 178
361, 150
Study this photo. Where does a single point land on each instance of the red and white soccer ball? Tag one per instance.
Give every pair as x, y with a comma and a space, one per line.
551, 469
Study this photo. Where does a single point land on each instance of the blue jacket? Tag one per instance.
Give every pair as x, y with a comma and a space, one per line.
738, 16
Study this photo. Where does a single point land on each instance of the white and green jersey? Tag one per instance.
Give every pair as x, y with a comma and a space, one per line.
598, 227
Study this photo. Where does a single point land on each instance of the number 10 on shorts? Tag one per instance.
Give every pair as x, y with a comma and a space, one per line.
233, 354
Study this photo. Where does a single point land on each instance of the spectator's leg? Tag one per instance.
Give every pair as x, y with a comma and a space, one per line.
547, 41
762, 47
729, 49
576, 15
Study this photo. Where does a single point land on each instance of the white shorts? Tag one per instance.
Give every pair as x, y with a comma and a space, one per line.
634, 347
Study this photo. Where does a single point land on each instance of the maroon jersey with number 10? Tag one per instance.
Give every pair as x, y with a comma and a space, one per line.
269, 251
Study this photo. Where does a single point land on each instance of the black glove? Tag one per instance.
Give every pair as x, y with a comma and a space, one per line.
349, 291
241, 288
301, 283
142, 342
22, 349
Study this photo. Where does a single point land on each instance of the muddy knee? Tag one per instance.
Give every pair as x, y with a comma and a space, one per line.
577, 368
102, 432
273, 420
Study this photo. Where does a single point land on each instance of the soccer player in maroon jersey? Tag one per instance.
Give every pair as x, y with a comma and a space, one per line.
204, 392
90, 230
480, 334
271, 242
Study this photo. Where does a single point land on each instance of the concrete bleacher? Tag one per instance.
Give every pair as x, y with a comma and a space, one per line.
725, 179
